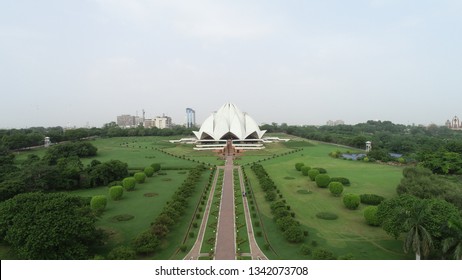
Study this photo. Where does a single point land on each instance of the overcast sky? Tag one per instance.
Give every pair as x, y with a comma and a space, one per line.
299, 62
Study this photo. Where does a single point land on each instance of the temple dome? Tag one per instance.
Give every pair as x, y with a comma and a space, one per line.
229, 123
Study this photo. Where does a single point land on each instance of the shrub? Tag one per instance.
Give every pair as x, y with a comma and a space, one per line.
146, 242
270, 195
305, 170
371, 199
326, 216
336, 188
98, 203
116, 192
322, 180
121, 253
305, 250
322, 254
321, 170
298, 166
312, 173
342, 180
370, 214
140, 177
156, 166
294, 234
129, 183
286, 222
183, 248
351, 201
149, 171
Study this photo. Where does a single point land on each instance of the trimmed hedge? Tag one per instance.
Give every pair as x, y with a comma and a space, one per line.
149, 171
336, 188
305, 170
370, 214
326, 216
156, 167
116, 192
321, 170
298, 166
129, 183
312, 173
322, 180
371, 199
140, 177
342, 180
98, 203
351, 201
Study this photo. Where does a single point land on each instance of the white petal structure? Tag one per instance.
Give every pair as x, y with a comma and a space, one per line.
229, 123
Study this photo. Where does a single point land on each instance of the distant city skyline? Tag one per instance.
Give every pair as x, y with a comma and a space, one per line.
79, 63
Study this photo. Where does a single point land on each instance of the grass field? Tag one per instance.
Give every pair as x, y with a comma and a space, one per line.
349, 234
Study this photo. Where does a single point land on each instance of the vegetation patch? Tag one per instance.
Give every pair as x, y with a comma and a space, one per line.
326, 216
122, 218
166, 179
182, 172
289, 178
150, 194
304, 192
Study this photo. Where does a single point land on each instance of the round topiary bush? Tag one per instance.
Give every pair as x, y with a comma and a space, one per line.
336, 188
156, 166
322, 180
299, 165
312, 173
149, 171
98, 203
370, 214
116, 192
371, 199
129, 183
351, 201
305, 170
140, 177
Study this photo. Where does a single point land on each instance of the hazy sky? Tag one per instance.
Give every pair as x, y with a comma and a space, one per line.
292, 61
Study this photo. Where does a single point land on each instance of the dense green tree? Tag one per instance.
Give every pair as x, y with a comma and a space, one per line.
149, 171
452, 244
298, 166
48, 226
98, 203
313, 173
129, 183
146, 243
294, 234
417, 239
305, 170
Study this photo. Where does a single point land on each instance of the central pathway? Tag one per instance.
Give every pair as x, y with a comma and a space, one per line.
226, 239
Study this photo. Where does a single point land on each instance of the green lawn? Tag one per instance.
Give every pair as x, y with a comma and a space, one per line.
349, 233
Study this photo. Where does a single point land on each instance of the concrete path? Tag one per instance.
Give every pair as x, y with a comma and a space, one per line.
226, 239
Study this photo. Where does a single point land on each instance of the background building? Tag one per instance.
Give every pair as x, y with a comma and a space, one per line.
125, 121
190, 118
455, 124
162, 122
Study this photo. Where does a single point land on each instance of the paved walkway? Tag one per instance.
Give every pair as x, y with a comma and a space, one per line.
226, 239
225, 245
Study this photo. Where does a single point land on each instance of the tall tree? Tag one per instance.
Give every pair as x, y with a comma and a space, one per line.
418, 239
452, 245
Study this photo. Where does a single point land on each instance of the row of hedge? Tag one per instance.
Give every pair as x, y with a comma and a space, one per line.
148, 241
282, 215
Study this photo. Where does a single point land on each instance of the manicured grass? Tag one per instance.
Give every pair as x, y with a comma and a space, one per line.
144, 208
349, 233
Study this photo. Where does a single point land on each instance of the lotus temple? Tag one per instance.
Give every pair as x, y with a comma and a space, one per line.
229, 128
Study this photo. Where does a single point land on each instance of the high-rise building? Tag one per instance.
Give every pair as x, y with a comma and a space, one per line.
162, 122
125, 121
190, 118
